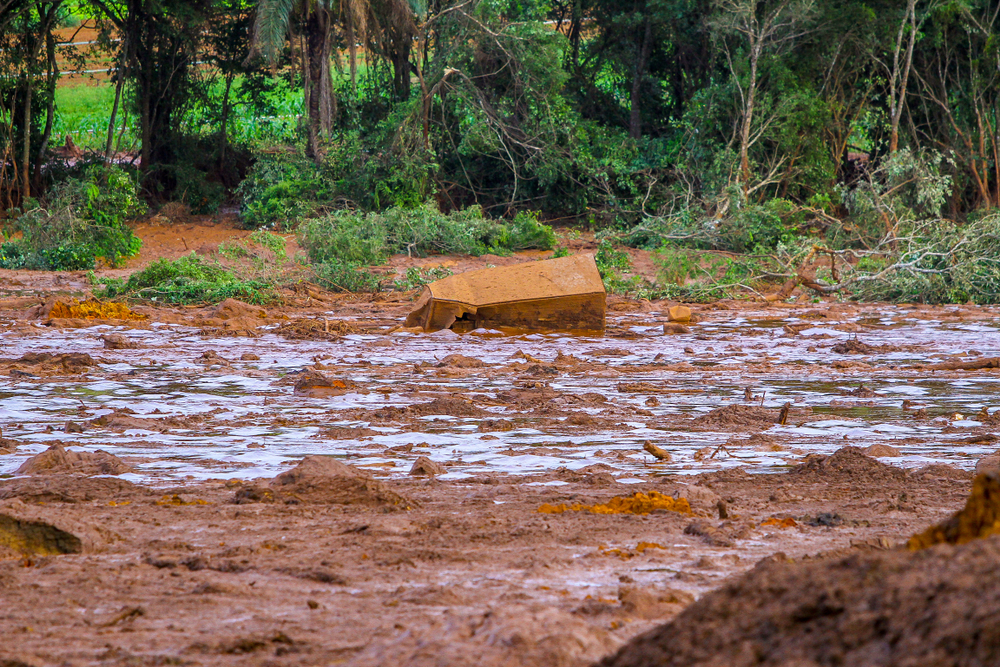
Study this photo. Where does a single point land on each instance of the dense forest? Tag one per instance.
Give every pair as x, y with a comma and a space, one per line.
850, 146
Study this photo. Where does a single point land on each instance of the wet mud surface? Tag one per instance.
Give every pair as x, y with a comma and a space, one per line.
201, 538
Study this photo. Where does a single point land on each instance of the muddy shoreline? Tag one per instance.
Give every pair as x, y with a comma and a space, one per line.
184, 564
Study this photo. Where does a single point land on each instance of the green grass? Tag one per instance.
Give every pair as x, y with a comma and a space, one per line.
83, 111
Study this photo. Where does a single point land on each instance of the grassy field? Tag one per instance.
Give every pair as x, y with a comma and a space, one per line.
84, 104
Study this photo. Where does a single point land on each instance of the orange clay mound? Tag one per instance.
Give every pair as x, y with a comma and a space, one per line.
640, 503
95, 310
979, 518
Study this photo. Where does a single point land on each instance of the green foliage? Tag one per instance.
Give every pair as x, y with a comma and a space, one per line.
756, 227
416, 277
81, 221
281, 190
341, 243
935, 261
676, 265
369, 238
188, 280
345, 277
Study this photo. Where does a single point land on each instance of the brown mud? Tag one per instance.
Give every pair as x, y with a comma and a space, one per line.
164, 498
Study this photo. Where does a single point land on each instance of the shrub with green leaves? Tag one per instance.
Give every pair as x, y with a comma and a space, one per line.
80, 222
342, 242
188, 279
282, 189
369, 238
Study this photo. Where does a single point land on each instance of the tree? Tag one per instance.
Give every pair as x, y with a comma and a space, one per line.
318, 18
762, 29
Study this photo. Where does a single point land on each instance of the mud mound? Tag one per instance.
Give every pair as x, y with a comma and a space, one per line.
979, 518
316, 385
425, 466
854, 346
46, 363
120, 420
57, 459
323, 480
453, 407
26, 530
68, 489
460, 361
231, 309
934, 607
509, 636
736, 416
849, 464
308, 329
119, 342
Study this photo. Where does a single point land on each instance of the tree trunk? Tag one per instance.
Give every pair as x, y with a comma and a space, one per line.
401, 66
898, 97
108, 144
574, 30
635, 116
317, 35
755, 49
224, 125
26, 155
52, 75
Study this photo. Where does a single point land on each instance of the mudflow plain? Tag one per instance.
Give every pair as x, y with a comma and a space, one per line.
162, 503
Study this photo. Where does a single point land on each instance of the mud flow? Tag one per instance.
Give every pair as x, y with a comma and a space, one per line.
188, 405
323, 487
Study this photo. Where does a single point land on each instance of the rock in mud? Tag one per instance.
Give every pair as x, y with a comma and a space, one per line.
651, 603
59, 460
424, 466
25, 530
675, 328
679, 314
8, 445
699, 497
323, 480
978, 519
931, 607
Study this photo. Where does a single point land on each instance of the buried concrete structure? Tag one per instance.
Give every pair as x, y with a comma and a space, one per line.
564, 294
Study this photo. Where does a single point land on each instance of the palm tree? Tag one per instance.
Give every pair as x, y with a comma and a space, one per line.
318, 17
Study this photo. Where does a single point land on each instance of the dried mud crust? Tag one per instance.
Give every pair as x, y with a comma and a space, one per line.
473, 575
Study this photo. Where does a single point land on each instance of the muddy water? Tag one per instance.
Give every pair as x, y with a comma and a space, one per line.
224, 418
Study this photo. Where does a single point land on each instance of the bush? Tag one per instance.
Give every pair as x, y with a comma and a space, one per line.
369, 238
188, 280
282, 189
83, 220
345, 277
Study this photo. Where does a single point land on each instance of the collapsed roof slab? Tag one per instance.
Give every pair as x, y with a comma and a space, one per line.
564, 294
